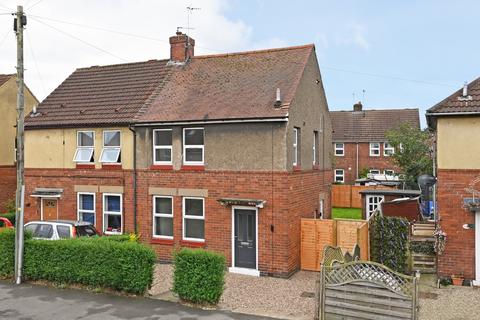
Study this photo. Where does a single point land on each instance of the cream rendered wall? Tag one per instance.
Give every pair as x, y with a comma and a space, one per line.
55, 148
458, 144
8, 112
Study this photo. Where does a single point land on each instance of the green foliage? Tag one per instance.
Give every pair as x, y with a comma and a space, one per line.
10, 206
389, 241
364, 172
199, 275
10, 216
346, 213
445, 281
120, 238
425, 247
95, 262
415, 156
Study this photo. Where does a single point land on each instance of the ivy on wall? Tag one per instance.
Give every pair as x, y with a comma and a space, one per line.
389, 241
424, 247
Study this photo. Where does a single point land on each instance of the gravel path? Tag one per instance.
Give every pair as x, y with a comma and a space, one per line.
266, 296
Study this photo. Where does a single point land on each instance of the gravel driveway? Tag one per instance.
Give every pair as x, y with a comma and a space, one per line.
266, 296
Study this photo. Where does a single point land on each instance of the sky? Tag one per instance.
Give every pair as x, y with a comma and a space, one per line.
387, 54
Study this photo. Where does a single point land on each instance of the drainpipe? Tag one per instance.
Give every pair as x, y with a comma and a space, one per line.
135, 228
356, 164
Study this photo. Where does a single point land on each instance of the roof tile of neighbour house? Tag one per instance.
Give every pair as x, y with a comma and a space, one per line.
370, 125
4, 78
459, 103
227, 86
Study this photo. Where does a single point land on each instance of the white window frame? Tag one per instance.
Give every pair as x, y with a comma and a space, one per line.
161, 215
372, 149
388, 147
295, 146
374, 171
339, 175
385, 172
373, 200
119, 147
155, 148
191, 146
339, 149
104, 213
92, 148
315, 138
87, 211
185, 216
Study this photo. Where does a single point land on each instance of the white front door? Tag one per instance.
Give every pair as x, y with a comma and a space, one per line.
373, 202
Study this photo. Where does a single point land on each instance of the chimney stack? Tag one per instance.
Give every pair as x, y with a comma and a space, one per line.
181, 47
357, 107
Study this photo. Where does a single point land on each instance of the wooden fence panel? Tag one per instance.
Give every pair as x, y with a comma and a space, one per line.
341, 196
363, 240
356, 196
308, 247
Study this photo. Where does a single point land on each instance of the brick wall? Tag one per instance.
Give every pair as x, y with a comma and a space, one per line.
8, 185
288, 196
364, 161
459, 255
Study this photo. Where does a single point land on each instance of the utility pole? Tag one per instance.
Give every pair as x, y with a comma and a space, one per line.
19, 22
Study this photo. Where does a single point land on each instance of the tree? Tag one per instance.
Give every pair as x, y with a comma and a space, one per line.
413, 152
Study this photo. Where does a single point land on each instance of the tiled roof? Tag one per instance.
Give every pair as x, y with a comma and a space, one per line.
228, 86
370, 125
231, 86
4, 78
104, 95
457, 103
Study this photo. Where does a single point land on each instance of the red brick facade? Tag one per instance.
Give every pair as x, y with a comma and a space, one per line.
8, 184
288, 196
348, 162
459, 255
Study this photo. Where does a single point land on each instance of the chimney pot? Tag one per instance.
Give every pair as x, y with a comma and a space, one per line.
181, 47
357, 106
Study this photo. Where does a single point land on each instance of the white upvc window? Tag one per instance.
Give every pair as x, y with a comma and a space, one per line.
339, 149
388, 172
112, 213
162, 146
85, 147
86, 207
373, 203
339, 175
314, 146
193, 146
374, 171
296, 148
374, 149
193, 219
163, 217
388, 149
111, 147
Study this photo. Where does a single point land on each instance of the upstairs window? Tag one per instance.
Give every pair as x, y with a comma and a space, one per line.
388, 149
162, 146
193, 146
339, 149
374, 149
111, 147
296, 146
85, 147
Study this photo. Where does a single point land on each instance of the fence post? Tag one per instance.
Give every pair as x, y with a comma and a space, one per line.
320, 312
415, 298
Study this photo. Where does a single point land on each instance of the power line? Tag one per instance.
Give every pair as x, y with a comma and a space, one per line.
78, 39
39, 75
5, 7
33, 5
4, 37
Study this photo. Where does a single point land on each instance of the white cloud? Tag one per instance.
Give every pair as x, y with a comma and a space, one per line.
57, 55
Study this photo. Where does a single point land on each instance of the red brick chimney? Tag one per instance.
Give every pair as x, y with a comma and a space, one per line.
181, 47
357, 106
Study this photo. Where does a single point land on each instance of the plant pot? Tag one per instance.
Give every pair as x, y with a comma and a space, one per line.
457, 281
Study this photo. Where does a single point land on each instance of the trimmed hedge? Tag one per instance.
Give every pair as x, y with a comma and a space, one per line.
389, 242
199, 275
9, 216
97, 262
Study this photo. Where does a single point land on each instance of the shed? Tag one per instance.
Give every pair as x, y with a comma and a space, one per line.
371, 198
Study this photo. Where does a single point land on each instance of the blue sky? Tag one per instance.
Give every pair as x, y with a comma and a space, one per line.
361, 45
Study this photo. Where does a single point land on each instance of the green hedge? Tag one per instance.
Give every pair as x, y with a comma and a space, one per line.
97, 262
199, 275
424, 247
9, 216
389, 242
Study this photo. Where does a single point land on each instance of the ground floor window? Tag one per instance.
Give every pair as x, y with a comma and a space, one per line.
112, 213
163, 217
193, 219
86, 207
339, 175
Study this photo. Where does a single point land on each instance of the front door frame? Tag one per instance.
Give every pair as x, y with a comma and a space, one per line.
41, 206
251, 272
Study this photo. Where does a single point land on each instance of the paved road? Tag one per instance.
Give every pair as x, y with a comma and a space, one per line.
42, 303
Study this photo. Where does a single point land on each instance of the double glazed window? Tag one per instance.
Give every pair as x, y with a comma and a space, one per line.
193, 219
112, 214
339, 175
86, 207
374, 171
339, 149
374, 149
162, 146
388, 149
388, 172
163, 217
193, 146
111, 147
85, 147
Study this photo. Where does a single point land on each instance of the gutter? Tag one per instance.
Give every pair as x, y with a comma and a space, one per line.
452, 113
150, 124
135, 227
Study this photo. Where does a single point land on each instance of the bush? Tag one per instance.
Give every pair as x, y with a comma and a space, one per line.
7, 252
199, 275
10, 216
389, 241
424, 247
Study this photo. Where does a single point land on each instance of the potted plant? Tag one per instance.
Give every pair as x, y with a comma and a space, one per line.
457, 279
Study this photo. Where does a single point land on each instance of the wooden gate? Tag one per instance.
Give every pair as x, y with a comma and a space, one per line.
365, 290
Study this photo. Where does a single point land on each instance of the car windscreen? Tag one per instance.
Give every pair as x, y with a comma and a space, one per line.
86, 231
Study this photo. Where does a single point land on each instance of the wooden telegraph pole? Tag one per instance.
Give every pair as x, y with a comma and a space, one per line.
19, 23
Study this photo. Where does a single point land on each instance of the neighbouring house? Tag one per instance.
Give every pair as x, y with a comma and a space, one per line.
372, 199
360, 144
8, 121
456, 122
225, 152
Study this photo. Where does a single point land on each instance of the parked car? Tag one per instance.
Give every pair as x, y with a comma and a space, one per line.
5, 224
60, 229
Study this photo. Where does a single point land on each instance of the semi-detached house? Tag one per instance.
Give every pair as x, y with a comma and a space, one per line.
225, 152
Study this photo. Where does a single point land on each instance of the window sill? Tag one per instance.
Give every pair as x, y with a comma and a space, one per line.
161, 167
85, 166
193, 168
162, 241
297, 168
193, 244
112, 166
